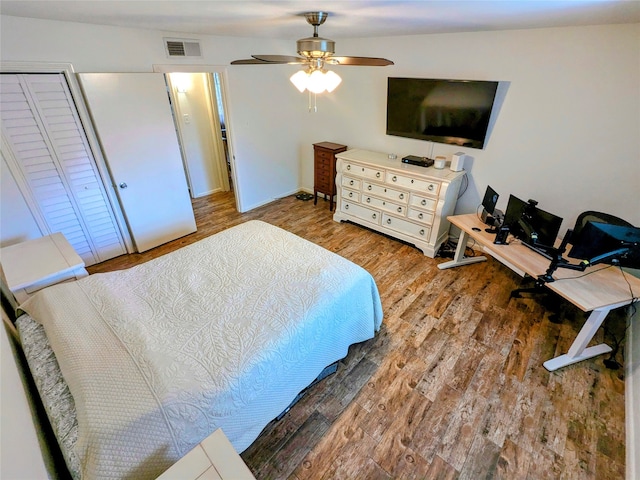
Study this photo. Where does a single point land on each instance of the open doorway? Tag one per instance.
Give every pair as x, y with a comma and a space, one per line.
198, 99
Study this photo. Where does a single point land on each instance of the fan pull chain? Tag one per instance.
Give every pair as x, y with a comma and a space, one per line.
313, 107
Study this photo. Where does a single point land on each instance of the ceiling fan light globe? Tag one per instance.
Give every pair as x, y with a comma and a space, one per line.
317, 82
332, 80
300, 80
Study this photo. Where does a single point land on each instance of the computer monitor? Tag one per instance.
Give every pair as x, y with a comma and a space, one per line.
607, 243
490, 200
490, 214
530, 224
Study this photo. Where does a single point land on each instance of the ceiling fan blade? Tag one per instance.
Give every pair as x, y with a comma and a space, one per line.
290, 59
250, 61
362, 61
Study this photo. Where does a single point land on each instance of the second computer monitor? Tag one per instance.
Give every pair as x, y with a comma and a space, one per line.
531, 224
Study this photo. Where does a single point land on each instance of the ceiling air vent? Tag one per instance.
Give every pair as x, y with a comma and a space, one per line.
182, 48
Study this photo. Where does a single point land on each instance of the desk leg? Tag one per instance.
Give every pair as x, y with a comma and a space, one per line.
579, 350
458, 258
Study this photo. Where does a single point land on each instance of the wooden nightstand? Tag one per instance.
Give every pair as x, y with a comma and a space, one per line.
212, 459
32, 265
324, 162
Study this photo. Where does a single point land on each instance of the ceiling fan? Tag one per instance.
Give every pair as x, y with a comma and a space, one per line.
315, 52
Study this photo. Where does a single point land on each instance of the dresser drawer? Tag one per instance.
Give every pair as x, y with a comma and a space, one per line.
383, 191
353, 183
363, 171
324, 166
350, 194
384, 204
323, 154
360, 211
419, 216
413, 183
403, 226
423, 202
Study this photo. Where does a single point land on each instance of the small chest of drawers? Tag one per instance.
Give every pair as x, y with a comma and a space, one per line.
404, 201
324, 162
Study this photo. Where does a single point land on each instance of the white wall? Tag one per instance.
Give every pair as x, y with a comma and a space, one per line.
567, 133
20, 451
261, 101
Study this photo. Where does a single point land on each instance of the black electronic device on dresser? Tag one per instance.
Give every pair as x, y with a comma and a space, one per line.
415, 160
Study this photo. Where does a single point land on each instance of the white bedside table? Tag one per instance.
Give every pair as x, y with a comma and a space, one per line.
212, 459
32, 265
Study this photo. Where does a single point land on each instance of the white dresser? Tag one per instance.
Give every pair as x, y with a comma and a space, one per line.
404, 201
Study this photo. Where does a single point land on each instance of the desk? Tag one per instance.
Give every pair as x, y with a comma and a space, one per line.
599, 292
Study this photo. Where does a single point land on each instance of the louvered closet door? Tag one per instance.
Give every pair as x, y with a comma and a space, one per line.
42, 128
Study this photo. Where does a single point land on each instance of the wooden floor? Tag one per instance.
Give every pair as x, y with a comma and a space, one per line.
453, 384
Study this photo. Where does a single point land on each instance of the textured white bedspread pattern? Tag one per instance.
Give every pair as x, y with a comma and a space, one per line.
221, 333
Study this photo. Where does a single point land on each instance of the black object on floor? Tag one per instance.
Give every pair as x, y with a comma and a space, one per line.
304, 196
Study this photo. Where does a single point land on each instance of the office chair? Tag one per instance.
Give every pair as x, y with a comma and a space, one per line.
574, 234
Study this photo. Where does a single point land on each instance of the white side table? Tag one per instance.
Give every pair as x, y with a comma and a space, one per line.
212, 459
32, 265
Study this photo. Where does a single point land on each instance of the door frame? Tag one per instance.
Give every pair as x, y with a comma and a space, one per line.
67, 70
222, 71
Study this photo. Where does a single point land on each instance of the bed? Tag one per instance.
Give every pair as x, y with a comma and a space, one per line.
136, 367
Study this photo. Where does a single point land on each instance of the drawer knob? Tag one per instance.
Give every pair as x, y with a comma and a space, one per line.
389, 221
368, 199
363, 169
394, 178
374, 216
351, 182
350, 194
348, 167
401, 196
378, 175
423, 202
399, 209
422, 231
430, 187
346, 207
420, 216
412, 180
369, 187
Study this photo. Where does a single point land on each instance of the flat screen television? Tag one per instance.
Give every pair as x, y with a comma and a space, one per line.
455, 112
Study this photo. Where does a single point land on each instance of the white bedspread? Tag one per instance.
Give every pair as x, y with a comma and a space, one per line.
222, 333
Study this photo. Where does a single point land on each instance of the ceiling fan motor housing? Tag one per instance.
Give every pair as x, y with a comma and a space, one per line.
316, 47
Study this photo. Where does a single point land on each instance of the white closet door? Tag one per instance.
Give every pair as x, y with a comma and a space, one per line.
41, 126
132, 117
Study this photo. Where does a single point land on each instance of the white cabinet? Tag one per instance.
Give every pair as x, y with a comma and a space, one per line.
212, 459
35, 264
404, 201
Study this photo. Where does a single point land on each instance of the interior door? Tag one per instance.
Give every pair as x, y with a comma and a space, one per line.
132, 118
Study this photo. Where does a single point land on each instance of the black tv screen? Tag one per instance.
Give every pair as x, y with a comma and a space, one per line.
456, 112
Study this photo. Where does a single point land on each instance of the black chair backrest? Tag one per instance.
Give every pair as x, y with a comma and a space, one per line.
593, 216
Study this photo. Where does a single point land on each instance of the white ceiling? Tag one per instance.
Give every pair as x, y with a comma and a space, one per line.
347, 18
